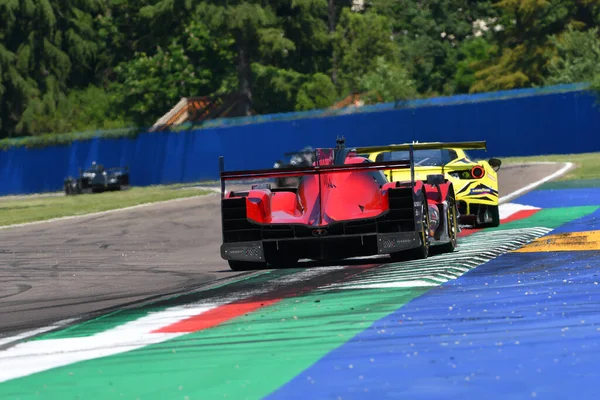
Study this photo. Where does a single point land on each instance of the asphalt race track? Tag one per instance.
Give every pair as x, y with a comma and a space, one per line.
512, 313
63, 269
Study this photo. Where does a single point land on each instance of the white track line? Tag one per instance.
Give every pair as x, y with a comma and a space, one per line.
535, 184
100, 213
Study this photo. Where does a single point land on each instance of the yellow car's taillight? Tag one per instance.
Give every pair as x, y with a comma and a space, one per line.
477, 172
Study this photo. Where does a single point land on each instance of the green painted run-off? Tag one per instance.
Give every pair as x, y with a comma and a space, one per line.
248, 357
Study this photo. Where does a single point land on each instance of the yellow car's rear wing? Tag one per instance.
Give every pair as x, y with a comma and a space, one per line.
481, 145
411, 147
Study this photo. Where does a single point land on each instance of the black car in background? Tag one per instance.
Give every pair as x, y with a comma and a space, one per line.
302, 158
97, 179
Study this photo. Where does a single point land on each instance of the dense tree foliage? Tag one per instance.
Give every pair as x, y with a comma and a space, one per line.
97, 64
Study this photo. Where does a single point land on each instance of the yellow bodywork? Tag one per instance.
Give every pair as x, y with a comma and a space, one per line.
471, 191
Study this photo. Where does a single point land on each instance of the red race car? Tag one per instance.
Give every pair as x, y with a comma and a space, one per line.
343, 207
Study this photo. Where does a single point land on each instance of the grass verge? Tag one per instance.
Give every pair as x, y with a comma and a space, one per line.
587, 165
17, 210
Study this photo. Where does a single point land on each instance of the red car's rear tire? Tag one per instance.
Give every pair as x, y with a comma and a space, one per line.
421, 252
452, 224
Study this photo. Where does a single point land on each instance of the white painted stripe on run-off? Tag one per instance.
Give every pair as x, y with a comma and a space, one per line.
40, 355
508, 209
35, 356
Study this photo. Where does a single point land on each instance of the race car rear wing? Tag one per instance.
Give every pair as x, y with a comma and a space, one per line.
411, 147
303, 171
477, 145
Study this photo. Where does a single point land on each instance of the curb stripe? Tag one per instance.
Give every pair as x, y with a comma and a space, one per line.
520, 215
517, 216
215, 316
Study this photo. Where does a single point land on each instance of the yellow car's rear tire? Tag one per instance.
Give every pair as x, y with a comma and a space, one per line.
494, 214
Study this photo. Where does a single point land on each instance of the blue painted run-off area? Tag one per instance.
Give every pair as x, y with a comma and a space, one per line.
528, 124
522, 326
576, 197
519, 327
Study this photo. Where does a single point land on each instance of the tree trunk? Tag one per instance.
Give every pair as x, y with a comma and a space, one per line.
244, 71
332, 23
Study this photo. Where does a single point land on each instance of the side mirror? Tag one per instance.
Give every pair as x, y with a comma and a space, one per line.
495, 163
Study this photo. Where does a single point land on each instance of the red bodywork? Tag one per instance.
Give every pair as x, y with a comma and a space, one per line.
349, 205
322, 199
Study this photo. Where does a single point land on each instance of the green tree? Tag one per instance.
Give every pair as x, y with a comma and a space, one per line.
359, 40
275, 89
149, 85
521, 57
122, 33
253, 27
304, 23
334, 10
470, 54
278, 47
387, 82
91, 108
577, 57
430, 33
318, 92
47, 47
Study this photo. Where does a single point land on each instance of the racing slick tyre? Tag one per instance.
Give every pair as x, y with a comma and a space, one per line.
493, 213
236, 265
421, 252
452, 224
67, 189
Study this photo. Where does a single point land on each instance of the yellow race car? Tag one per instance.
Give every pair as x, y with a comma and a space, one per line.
475, 182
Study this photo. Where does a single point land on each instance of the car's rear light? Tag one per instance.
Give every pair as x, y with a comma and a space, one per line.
477, 172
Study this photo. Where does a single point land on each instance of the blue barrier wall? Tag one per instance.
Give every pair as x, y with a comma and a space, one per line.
556, 123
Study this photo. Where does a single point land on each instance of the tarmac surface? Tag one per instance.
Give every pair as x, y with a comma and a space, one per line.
75, 267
